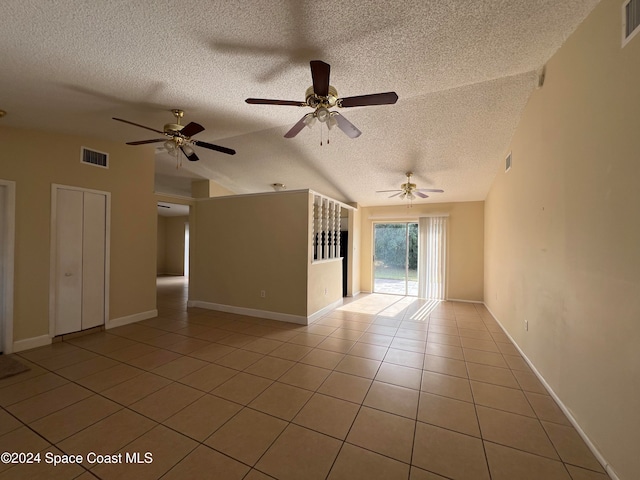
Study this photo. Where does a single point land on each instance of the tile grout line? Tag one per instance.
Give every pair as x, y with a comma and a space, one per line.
273, 381
354, 419
475, 408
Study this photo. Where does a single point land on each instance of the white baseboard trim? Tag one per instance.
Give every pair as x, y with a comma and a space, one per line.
464, 301
283, 317
29, 343
608, 468
136, 317
323, 311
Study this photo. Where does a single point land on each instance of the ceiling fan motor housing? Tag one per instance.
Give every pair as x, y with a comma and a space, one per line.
172, 128
408, 187
315, 101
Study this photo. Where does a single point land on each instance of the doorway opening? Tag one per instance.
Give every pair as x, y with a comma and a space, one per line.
172, 267
395, 261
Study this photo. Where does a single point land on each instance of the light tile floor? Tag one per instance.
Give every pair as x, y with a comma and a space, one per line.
384, 387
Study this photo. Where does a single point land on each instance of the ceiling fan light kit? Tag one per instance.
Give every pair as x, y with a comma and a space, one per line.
321, 97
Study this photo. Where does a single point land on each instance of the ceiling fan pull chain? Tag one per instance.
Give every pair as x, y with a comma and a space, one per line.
328, 132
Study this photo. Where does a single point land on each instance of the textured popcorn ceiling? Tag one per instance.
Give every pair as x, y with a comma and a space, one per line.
463, 70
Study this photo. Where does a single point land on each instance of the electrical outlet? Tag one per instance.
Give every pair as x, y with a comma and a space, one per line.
325, 291
263, 293
526, 325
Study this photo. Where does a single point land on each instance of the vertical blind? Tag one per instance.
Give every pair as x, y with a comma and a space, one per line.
432, 256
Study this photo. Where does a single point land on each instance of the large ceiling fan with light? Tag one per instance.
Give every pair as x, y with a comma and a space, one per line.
178, 137
321, 97
410, 191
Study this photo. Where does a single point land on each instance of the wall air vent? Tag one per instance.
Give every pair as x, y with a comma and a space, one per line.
93, 157
630, 20
507, 163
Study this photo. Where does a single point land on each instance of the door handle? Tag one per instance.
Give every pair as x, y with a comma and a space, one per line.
67, 274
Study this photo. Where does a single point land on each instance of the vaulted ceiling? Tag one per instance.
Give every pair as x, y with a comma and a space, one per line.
463, 71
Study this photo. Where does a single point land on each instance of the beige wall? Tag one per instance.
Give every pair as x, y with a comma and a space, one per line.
244, 244
161, 245
248, 243
465, 268
324, 285
563, 235
174, 245
208, 188
171, 244
35, 160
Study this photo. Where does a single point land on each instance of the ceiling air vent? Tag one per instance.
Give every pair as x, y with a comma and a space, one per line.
93, 157
630, 20
507, 163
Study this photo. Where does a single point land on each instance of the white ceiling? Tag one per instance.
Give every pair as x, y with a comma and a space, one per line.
463, 71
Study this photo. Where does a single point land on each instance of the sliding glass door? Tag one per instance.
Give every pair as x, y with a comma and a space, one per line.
395, 260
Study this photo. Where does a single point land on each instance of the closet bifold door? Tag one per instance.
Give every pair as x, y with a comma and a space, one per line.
80, 260
93, 260
68, 285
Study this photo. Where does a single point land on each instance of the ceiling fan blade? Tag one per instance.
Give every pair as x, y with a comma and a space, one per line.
395, 194
211, 146
387, 98
137, 125
434, 190
420, 194
388, 191
265, 101
191, 157
191, 129
296, 129
320, 74
143, 142
347, 127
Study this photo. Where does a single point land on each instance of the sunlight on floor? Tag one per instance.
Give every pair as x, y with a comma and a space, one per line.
391, 306
422, 315
370, 303
400, 307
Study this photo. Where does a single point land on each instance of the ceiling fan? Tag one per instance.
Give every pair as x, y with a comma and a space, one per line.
321, 97
179, 137
409, 190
